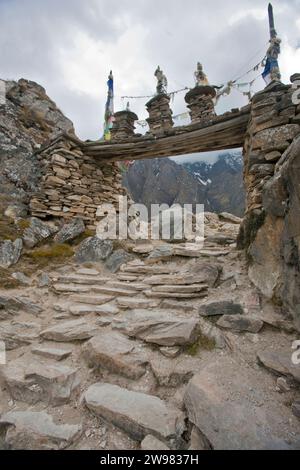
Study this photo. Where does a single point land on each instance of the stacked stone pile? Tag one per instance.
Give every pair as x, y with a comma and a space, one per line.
74, 185
160, 115
123, 127
200, 101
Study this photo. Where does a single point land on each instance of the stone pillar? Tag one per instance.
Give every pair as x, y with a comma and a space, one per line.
200, 101
160, 115
123, 127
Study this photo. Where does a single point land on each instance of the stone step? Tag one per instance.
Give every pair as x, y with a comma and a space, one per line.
159, 327
82, 309
127, 285
137, 414
51, 353
73, 330
31, 381
191, 289
127, 277
83, 280
36, 430
125, 303
178, 280
114, 291
147, 269
167, 295
75, 288
87, 272
91, 299
116, 354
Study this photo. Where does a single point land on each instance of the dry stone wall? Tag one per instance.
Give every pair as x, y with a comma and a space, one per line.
74, 185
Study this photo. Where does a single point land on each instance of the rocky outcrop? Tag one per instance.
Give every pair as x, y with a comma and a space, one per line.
28, 119
270, 231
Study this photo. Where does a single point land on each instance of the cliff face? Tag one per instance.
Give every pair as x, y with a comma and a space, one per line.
28, 119
219, 186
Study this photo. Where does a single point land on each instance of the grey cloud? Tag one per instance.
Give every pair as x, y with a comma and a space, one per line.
35, 35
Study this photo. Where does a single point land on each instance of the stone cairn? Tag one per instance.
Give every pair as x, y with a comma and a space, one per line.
274, 123
160, 115
200, 101
74, 185
123, 127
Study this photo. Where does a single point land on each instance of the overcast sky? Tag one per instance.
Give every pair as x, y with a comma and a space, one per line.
69, 47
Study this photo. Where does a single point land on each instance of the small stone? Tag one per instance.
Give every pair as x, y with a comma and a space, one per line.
220, 308
296, 409
240, 323
44, 280
170, 352
282, 385
22, 278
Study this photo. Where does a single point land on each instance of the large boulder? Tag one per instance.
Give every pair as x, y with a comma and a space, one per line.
32, 381
70, 231
115, 353
10, 253
137, 414
159, 327
226, 403
117, 259
94, 249
37, 232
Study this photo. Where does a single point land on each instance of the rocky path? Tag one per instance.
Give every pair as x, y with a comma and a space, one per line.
174, 351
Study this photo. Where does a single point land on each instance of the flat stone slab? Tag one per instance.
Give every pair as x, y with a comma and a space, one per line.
84, 280
142, 268
174, 295
30, 430
92, 299
280, 363
114, 291
136, 303
115, 353
82, 309
132, 286
137, 414
108, 309
17, 334
74, 330
52, 353
227, 403
220, 308
158, 327
173, 289
74, 288
32, 381
241, 323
